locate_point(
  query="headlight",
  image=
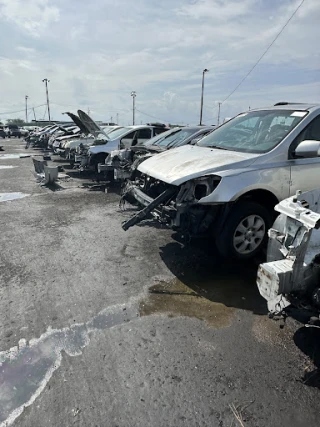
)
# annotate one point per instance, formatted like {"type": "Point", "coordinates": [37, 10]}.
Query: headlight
{"type": "Point", "coordinates": [205, 185]}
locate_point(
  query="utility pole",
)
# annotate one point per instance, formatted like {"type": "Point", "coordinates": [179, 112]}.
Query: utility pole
{"type": "Point", "coordinates": [26, 97]}
{"type": "Point", "coordinates": [117, 118]}
{"type": "Point", "coordinates": [111, 119]}
{"type": "Point", "coordinates": [133, 94]}
{"type": "Point", "coordinates": [219, 107]}
{"type": "Point", "coordinates": [88, 111]}
{"type": "Point", "coordinates": [35, 116]}
{"type": "Point", "coordinates": [201, 106]}
{"type": "Point", "coordinates": [48, 105]}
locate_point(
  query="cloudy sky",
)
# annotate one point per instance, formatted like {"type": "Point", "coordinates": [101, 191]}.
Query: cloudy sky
{"type": "Point", "coordinates": [96, 52]}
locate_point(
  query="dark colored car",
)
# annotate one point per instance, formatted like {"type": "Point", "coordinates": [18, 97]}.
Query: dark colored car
{"type": "Point", "coordinates": [14, 131]}
{"type": "Point", "coordinates": [3, 133]}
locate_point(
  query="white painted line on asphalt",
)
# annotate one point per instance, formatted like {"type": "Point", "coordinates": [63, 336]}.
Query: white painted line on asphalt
{"type": "Point", "coordinates": [7, 167]}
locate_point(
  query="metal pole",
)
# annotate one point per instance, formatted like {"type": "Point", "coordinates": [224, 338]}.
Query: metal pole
{"type": "Point", "coordinates": [133, 94]}
{"type": "Point", "coordinates": [117, 118]}
{"type": "Point", "coordinates": [26, 97]}
{"type": "Point", "coordinates": [201, 107]}
{"type": "Point", "coordinates": [35, 117]}
{"type": "Point", "coordinates": [219, 106]}
{"type": "Point", "coordinates": [48, 104]}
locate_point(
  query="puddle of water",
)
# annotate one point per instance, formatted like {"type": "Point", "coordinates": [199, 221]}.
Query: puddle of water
{"type": "Point", "coordinates": [7, 167]}
{"type": "Point", "coordinates": [211, 294]}
{"type": "Point", "coordinates": [25, 370]}
{"type": "Point", "coordinates": [5, 197]}
{"type": "Point", "coordinates": [175, 299]}
{"type": "Point", "coordinates": [14, 156]}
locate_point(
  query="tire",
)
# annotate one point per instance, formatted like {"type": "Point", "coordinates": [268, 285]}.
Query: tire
{"type": "Point", "coordinates": [245, 231]}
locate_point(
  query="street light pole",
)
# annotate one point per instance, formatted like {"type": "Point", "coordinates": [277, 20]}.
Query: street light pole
{"type": "Point", "coordinates": [48, 104]}
{"type": "Point", "coordinates": [219, 109]}
{"type": "Point", "coordinates": [201, 107]}
{"type": "Point", "coordinates": [26, 97]}
{"type": "Point", "coordinates": [133, 94]}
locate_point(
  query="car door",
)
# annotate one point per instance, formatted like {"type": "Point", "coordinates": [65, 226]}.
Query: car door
{"type": "Point", "coordinates": [305, 173]}
{"type": "Point", "coordinates": [129, 139]}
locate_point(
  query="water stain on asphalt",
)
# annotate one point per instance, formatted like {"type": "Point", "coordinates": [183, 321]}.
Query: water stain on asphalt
{"type": "Point", "coordinates": [6, 197]}
{"type": "Point", "coordinates": [212, 298]}
{"type": "Point", "coordinates": [176, 299]}
{"type": "Point", "coordinates": [26, 369]}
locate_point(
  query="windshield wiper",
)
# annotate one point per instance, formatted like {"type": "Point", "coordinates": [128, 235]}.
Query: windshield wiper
{"type": "Point", "coordinates": [217, 146]}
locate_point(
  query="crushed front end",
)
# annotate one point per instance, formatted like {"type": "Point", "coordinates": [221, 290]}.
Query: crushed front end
{"type": "Point", "coordinates": [176, 206]}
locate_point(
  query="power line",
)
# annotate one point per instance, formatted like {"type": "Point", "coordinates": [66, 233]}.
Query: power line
{"type": "Point", "coordinates": [20, 111]}
{"type": "Point", "coordinates": [265, 52]}
{"type": "Point", "coordinates": [153, 117]}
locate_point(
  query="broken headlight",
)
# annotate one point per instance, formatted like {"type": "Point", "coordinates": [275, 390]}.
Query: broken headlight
{"type": "Point", "coordinates": [197, 189]}
{"type": "Point", "coordinates": [205, 185]}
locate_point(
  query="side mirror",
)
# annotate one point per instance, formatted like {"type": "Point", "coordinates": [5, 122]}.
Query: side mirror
{"type": "Point", "coordinates": [308, 148]}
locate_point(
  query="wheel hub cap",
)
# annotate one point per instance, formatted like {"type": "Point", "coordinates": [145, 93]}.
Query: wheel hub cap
{"type": "Point", "coordinates": [249, 234]}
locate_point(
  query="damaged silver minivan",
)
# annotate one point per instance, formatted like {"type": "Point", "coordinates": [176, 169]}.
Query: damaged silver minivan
{"type": "Point", "coordinates": [227, 185]}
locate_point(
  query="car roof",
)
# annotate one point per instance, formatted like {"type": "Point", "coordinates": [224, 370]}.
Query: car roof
{"type": "Point", "coordinates": [290, 106]}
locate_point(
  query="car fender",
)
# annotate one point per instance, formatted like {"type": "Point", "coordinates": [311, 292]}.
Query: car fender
{"type": "Point", "coordinates": [233, 186]}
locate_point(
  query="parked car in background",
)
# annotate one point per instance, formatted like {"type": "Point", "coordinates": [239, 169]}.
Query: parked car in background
{"type": "Point", "coordinates": [14, 131]}
{"type": "Point", "coordinates": [24, 132]}
{"type": "Point", "coordinates": [227, 185]}
{"type": "Point", "coordinates": [120, 138]}
{"type": "Point", "coordinates": [3, 133]}
{"type": "Point", "coordinates": [122, 164]}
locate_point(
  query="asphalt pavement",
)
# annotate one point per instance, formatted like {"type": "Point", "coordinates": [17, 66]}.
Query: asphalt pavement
{"type": "Point", "coordinates": [102, 327]}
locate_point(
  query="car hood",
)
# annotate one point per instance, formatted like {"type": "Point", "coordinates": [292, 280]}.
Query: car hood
{"type": "Point", "coordinates": [78, 122]}
{"type": "Point", "coordinates": [184, 163]}
{"type": "Point", "coordinates": [91, 124]}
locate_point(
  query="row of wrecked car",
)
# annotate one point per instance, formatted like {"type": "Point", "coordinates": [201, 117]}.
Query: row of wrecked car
{"type": "Point", "coordinates": [221, 183]}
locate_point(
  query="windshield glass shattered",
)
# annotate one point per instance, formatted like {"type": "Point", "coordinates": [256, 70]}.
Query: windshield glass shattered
{"type": "Point", "coordinates": [254, 132]}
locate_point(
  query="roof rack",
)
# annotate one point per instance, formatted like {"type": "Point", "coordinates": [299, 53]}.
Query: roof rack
{"type": "Point", "coordinates": [288, 103]}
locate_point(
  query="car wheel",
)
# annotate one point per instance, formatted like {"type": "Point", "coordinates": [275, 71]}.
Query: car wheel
{"type": "Point", "coordinates": [245, 231]}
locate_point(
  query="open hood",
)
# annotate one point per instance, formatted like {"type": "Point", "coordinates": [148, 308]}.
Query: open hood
{"type": "Point", "coordinates": [184, 163]}
{"type": "Point", "coordinates": [91, 124]}
{"type": "Point", "coordinates": [78, 122]}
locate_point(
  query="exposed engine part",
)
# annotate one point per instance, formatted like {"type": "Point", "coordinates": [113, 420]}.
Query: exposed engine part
{"type": "Point", "coordinates": [292, 273]}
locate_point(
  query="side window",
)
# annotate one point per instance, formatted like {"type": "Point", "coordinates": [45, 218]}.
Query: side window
{"type": "Point", "coordinates": [129, 136]}
{"type": "Point", "coordinates": [144, 134]}
{"type": "Point", "coordinates": [311, 131]}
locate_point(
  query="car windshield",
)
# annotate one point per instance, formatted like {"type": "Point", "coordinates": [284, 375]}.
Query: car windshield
{"type": "Point", "coordinates": [155, 140]}
{"type": "Point", "coordinates": [118, 133]}
{"type": "Point", "coordinates": [254, 132]}
{"type": "Point", "coordinates": [177, 138]}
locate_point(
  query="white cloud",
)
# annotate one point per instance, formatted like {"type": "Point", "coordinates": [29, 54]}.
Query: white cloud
{"type": "Point", "coordinates": [33, 16]}
{"type": "Point", "coordinates": [158, 49]}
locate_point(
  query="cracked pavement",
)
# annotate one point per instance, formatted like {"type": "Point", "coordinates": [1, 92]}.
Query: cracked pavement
{"type": "Point", "coordinates": [101, 327]}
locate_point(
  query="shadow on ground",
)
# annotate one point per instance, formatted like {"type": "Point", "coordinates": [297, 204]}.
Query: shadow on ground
{"type": "Point", "coordinates": [204, 287]}
{"type": "Point", "coordinates": [308, 341]}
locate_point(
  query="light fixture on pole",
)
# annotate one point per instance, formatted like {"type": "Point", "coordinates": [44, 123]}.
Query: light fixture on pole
{"type": "Point", "coordinates": [133, 94]}
{"type": "Point", "coordinates": [47, 93]}
{"type": "Point", "coordinates": [201, 107]}
{"type": "Point", "coordinates": [26, 98]}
